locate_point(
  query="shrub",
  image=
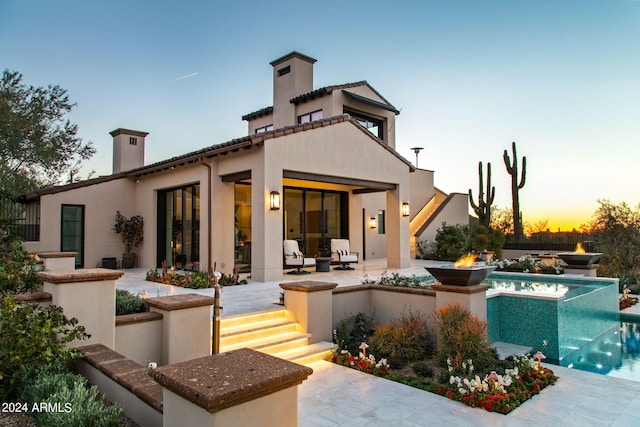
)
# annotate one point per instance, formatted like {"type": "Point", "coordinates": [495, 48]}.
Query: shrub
{"type": "Point", "coordinates": [423, 369]}
{"type": "Point", "coordinates": [403, 340]}
{"type": "Point", "coordinates": [33, 335]}
{"type": "Point", "coordinates": [462, 337]}
{"type": "Point", "coordinates": [17, 270]}
{"type": "Point", "coordinates": [450, 243]}
{"type": "Point", "coordinates": [79, 406]}
{"type": "Point", "coordinates": [127, 303]}
{"type": "Point", "coordinates": [351, 331]}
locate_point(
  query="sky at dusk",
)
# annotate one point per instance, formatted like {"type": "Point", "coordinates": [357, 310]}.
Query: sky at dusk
{"type": "Point", "coordinates": [559, 77]}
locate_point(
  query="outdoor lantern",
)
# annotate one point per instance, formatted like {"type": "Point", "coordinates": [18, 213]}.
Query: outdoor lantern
{"type": "Point", "coordinates": [275, 201]}
{"type": "Point", "coordinates": [405, 209]}
{"type": "Point", "coordinates": [372, 222]}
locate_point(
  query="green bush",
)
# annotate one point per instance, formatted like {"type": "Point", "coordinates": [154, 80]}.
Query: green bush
{"type": "Point", "coordinates": [422, 369]}
{"type": "Point", "coordinates": [199, 280]}
{"type": "Point", "coordinates": [453, 241]}
{"type": "Point", "coordinates": [127, 303]}
{"type": "Point", "coordinates": [17, 270]}
{"type": "Point", "coordinates": [78, 405]}
{"type": "Point", "coordinates": [352, 331]}
{"type": "Point", "coordinates": [33, 335]}
{"type": "Point", "coordinates": [462, 337]}
{"type": "Point", "coordinates": [450, 243]}
{"type": "Point", "coordinates": [403, 340]}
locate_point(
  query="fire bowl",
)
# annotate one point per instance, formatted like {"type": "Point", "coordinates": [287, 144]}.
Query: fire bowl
{"type": "Point", "coordinates": [460, 276]}
{"type": "Point", "coordinates": [580, 258]}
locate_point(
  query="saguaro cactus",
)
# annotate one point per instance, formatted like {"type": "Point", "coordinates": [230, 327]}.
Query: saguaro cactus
{"type": "Point", "coordinates": [483, 208]}
{"type": "Point", "coordinates": [512, 169]}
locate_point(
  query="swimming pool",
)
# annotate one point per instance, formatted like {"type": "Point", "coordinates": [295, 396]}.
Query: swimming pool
{"type": "Point", "coordinates": [564, 312]}
{"type": "Point", "coordinates": [577, 317]}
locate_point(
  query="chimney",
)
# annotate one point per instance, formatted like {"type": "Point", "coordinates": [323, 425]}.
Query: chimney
{"type": "Point", "coordinates": [292, 76]}
{"type": "Point", "coordinates": [128, 149]}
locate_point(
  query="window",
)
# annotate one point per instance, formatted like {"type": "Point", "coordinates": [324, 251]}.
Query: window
{"type": "Point", "coordinates": [72, 231]}
{"type": "Point", "coordinates": [310, 117]}
{"type": "Point", "coordinates": [133, 141]}
{"type": "Point", "coordinates": [372, 124]}
{"type": "Point", "coordinates": [284, 70]}
{"type": "Point", "coordinates": [381, 229]}
{"type": "Point", "coordinates": [266, 128]}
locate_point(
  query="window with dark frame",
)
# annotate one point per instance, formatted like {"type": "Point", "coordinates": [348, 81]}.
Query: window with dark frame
{"type": "Point", "coordinates": [266, 128]}
{"type": "Point", "coordinates": [372, 124]}
{"type": "Point", "coordinates": [133, 140]}
{"type": "Point", "coordinates": [310, 117]}
{"type": "Point", "coordinates": [381, 223]}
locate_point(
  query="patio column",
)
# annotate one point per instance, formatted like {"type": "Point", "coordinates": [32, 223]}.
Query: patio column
{"type": "Point", "coordinates": [266, 224]}
{"type": "Point", "coordinates": [398, 251]}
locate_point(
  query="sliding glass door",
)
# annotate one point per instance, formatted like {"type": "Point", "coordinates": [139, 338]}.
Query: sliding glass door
{"type": "Point", "coordinates": [314, 217]}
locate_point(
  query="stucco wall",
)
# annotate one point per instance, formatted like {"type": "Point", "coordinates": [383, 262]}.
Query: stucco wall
{"type": "Point", "coordinates": [454, 212]}
{"type": "Point", "coordinates": [422, 189]}
{"type": "Point", "coordinates": [101, 203]}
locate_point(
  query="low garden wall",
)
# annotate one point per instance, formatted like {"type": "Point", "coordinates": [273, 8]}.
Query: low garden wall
{"type": "Point", "coordinates": [386, 303]}
{"type": "Point", "coordinates": [139, 337]}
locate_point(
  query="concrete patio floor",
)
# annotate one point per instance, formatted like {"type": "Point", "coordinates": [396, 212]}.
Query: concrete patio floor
{"type": "Point", "coordinates": [335, 396]}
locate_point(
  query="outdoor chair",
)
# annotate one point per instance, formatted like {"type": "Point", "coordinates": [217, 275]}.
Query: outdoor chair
{"type": "Point", "coordinates": [341, 254]}
{"type": "Point", "coordinates": [294, 258]}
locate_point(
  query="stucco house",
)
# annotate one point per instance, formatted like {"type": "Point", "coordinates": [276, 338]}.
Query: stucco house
{"type": "Point", "coordinates": [317, 164]}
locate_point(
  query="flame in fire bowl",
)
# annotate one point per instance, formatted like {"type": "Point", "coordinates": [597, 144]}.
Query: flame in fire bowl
{"type": "Point", "coordinates": [460, 276]}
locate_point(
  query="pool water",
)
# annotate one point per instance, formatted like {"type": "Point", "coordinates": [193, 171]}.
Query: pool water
{"type": "Point", "coordinates": [615, 353]}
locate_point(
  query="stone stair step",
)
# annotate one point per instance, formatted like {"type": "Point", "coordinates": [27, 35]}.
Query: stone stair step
{"type": "Point", "coordinates": [312, 353]}
{"type": "Point", "coordinates": [256, 330]}
{"type": "Point", "coordinates": [273, 343]}
{"type": "Point", "coordinates": [258, 316]}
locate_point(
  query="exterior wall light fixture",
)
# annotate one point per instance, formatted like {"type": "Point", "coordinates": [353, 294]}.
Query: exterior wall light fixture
{"type": "Point", "coordinates": [405, 209]}
{"type": "Point", "coordinates": [274, 201]}
{"type": "Point", "coordinates": [372, 222]}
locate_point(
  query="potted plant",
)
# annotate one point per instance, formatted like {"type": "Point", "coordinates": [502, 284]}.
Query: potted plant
{"type": "Point", "coordinates": [131, 232]}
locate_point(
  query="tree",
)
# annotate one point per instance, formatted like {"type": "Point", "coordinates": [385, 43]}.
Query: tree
{"type": "Point", "coordinates": [502, 220]}
{"type": "Point", "coordinates": [615, 230]}
{"type": "Point", "coordinates": [512, 169]}
{"type": "Point", "coordinates": [38, 146]}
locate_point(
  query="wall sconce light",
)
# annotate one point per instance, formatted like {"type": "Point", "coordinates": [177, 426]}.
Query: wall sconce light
{"type": "Point", "coordinates": [405, 209]}
{"type": "Point", "coordinates": [274, 201]}
{"type": "Point", "coordinates": [372, 222]}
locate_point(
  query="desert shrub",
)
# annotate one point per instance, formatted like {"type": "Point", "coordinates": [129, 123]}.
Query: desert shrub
{"type": "Point", "coordinates": [462, 337]}
{"type": "Point", "coordinates": [78, 405]}
{"type": "Point", "coordinates": [352, 331]}
{"type": "Point", "coordinates": [127, 303]}
{"type": "Point", "coordinates": [403, 340]}
{"type": "Point", "coordinates": [199, 280]}
{"type": "Point", "coordinates": [422, 369]}
{"type": "Point", "coordinates": [33, 335]}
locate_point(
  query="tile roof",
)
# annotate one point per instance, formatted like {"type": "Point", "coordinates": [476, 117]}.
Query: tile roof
{"type": "Point", "coordinates": [234, 145]}
{"type": "Point", "coordinates": [318, 93]}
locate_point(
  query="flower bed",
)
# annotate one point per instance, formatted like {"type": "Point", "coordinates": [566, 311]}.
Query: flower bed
{"type": "Point", "coordinates": [367, 365]}
{"type": "Point", "coordinates": [493, 393]}
{"type": "Point", "coordinates": [527, 264]}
